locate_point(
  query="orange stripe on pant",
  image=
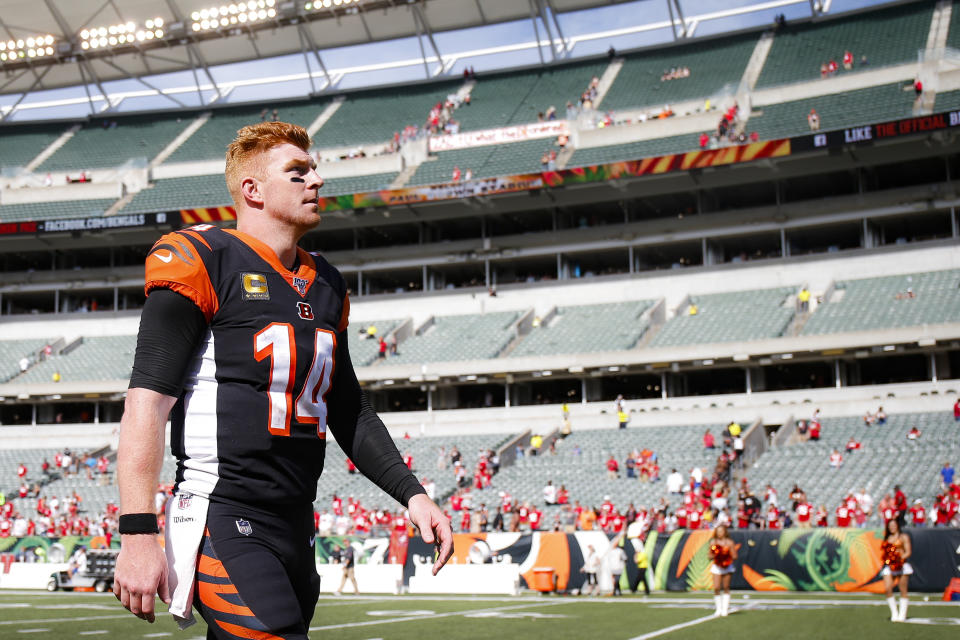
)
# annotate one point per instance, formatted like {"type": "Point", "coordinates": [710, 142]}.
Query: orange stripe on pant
{"type": "Point", "coordinates": [243, 632]}
{"type": "Point", "coordinates": [209, 592]}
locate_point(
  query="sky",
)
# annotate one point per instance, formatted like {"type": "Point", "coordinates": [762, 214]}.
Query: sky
{"type": "Point", "coordinates": [589, 32]}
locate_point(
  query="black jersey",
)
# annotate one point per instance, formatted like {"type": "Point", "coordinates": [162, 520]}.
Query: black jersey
{"type": "Point", "coordinates": [250, 424]}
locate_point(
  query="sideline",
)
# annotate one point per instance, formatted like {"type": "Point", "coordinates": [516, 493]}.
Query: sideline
{"type": "Point", "coordinates": [434, 616]}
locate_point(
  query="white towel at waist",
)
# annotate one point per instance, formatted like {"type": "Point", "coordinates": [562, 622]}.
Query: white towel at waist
{"type": "Point", "coordinates": [186, 522]}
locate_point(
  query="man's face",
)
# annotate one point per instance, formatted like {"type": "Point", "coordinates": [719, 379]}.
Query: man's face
{"type": "Point", "coordinates": [289, 186]}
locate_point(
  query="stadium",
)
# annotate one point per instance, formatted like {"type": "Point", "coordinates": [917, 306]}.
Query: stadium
{"type": "Point", "coordinates": [619, 272]}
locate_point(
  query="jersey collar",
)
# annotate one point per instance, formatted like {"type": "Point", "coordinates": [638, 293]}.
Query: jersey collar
{"type": "Point", "coordinates": [306, 271]}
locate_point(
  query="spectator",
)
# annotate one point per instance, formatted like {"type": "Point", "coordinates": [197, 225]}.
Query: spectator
{"type": "Point", "coordinates": [836, 459]}
{"type": "Point", "coordinates": [813, 119]}
{"type": "Point", "coordinates": [823, 70]}
{"type": "Point", "coordinates": [832, 67]}
{"type": "Point", "coordinates": [880, 416]}
{"type": "Point", "coordinates": [704, 140]}
{"type": "Point", "coordinates": [382, 349]}
{"type": "Point", "coordinates": [24, 363]}
{"type": "Point", "coordinates": [863, 60]}
{"type": "Point", "coordinates": [456, 175]}
{"type": "Point", "coordinates": [918, 87]}
{"type": "Point", "coordinates": [675, 482]}
{"type": "Point", "coordinates": [914, 433]}
{"type": "Point", "coordinates": [708, 440]}
{"type": "Point", "coordinates": [946, 475]}
{"type": "Point", "coordinates": [814, 430]}
{"type": "Point", "coordinates": [956, 410]}
{"type": "Point", "coordinates": [613, 468]}
{"type": "Point", "coordinates": [847, 60]}
{"type": "Point", "coordinates": [852, 444]}
{"type": "Point", "coordinates": [918, 514]}
{"type": "Point", "coordinates": [622, 419]}
{"type": "Point", "coordinates": [804, 299]}
{"type": "Point", "coordinates": [549, 494]}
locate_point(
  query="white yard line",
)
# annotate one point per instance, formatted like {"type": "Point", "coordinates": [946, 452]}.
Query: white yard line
{"type": "Point", "coordinates": [81, 619]}
{"type": "Point", "coordinates": [672, 628]}
{"type": "Point", "coordinates": [434, 616]}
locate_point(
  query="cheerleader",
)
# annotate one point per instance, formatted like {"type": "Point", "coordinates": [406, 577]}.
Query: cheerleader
{"type": "Point", "coordinates": [896, 549]}
{"type": "Point", "coordinates": [722, 554]}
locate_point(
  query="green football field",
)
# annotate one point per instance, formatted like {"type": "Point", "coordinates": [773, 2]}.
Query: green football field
{"type": "Point", "coordinates": [25, 614]}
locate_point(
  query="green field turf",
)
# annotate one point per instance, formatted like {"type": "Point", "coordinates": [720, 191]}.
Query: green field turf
{"type": "Point", "coordinates": [27, 614]}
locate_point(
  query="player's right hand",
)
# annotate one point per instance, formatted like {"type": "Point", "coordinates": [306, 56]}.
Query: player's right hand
{"type": "Point", "coordinates": [140, 575]}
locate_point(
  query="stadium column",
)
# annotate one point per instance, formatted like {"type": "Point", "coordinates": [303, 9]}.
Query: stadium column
{"type": "Point", "coordinates": [747, 380]}
{"type": "Point", "coordinates": [836, 373]}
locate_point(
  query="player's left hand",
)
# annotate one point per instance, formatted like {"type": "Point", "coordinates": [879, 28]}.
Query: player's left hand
{"type": "Point", "coordinates": [434, 527]}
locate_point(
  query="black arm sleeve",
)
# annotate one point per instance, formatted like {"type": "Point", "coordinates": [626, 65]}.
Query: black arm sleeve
{"type": "Point", "coordinates": [362, 435]}
{"type": "Point", "coordinates": [171, 327]}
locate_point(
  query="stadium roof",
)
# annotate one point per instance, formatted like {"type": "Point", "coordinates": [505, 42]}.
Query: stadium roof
{"type": "Point", "coordinates": [141, 48]}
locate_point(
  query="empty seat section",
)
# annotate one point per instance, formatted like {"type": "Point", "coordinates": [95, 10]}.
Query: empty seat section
{"type": "Point", "coordinates": [181, 193]}
{"type": "Point", "coordinates": [836, 111]}
{"type": "Point", "coordinates": [54, 210]}
{"type": "Point", "coordinates": [715, 65]}
{"type": "Point", "coordinates": [484, 162]}
{"type": "Point", "coordinates": [12, 351]}
{"type": "Point", "coordinates": [363, 351]}
{"type": "Point", "coordinates": [96, 358]}
{"type": "Point", "coordinates": [886, 36]}
{"type": "Point", "coordinates": [582, 329]}
{"type": "Point", "coordinates": [112, 142]}
{"type": "Point", "coordinates": [729, 317]}
{"type": "Point", "coordinates": [21, 144]}
{"type": "Point", "coordinates": [210, 140]}
{"type": "Point", "coordinates": [355, 184]}
{"type": "Point", "coordinates": [634, 150]}
{"type": "Point", "coordinates": [467, 337]}
{"type": "Point", "coordinates": [506, 99]}
{"type": "Point", "coordinates": [374, 116]}
{"type": "Point", "coordinates": [947, 100]}
{"type": "Point", "coordinates": [886, 303]}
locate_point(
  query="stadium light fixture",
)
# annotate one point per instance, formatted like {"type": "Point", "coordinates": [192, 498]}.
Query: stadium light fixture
{"type": "Point", "coordinates": [233, 15]}
{"type": "Point", "coordinates": [39, 46]}
{"type": "Point", "coordinates": [121, 34]}
{"type": "Point", "coordinates": [319, 5]}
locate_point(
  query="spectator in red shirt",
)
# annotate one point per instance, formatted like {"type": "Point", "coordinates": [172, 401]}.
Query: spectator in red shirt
{"type": "Point", "coordinates": [821, 516]}
{"type": "Point", "coordinates": [814, 430]}
{"type": "Point", "coordinates": [852, 444]}
{"type": "Point", "coordinates": [535, 517]}
{"type": "Point", "coordinates": [613, 468]}
{"type": "Point", "coordinates": [704, 140]}
{"type": "Point", "coordinates": [804, 512]}
{"type": "Point", "coordinates": [21, 470]}
{"type": "Point", "coordinates": [844, 515]}
{"type": "Point", "coordinates": [847, 60]}
{"type": "Point", "coordinates": [832, 67]}
{"type": "Point", "coordinates": [918, 514]}
{"type": "Point", "coordinates": [956, 410]}
{"type": "Point", "coordinates": [708, 440]}
{"type": "Point", "coordinates": [773, 518]}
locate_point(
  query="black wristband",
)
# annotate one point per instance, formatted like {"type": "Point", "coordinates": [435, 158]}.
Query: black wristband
{"type": "Point", "coordinates": [139, 523]}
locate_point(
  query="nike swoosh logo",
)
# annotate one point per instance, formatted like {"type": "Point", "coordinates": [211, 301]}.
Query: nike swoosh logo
{"type": "Point", "coordinates": [166, 258]}
{"type": "Point", "coordinates": [312, 538]}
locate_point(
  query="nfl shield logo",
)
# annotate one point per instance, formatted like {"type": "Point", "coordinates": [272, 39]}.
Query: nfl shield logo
{"type": "Point", "coordinates": [243, 526]}
{"type": "Point", "coordinates": [183, 501]}
{"type": "Point", "coordinates": [300, 284]}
